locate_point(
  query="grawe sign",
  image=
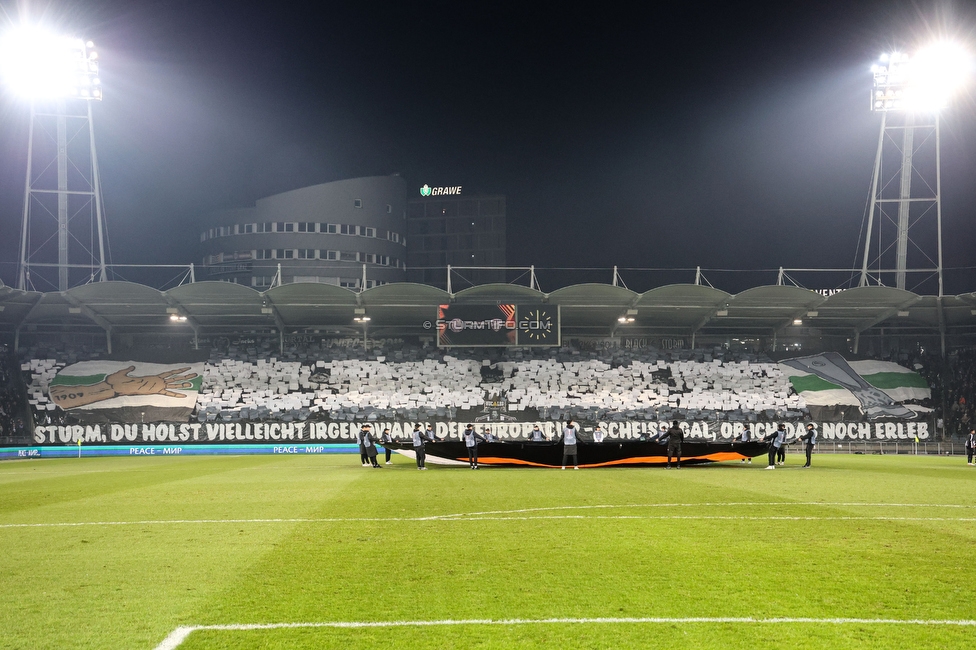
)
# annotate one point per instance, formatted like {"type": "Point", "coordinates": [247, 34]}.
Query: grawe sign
{"type": "Point", "coordinates": [427, 190]}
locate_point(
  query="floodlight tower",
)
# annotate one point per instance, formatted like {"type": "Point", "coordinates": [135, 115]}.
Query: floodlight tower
{"type": "Point", "coordinates": [62, 192]}
{"type": "Point", "coordinates": [910, 92]}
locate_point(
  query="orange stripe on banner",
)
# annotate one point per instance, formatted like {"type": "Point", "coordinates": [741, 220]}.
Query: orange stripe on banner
{"type": "Point", "coordinates": [717, 457]}
{"type": "Point", "coordinates": [482, 460]}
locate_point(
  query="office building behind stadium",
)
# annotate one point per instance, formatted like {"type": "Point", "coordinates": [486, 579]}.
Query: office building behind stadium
{"type": "Point", "coordinates": [445, 228]}
{"type": "Point", "coordinates": [350, 233]}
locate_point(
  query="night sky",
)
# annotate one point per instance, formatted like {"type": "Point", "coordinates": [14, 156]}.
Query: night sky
{"type": "Point", "coordinates": [731, 136]}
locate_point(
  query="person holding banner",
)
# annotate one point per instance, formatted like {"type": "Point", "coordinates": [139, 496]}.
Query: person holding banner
{"type": "Point", "coordinates": [363, 457]}
{"type": "Point", "coordinates": [387, 438]}
{"type": "Point", "coordinates": [776, 440]}
{"type": "Point", "coordinates": [418, 446]}
{"type": "Point", "coordinates": [536, 435]}
{"type": "Point", "coordinates": [746, 436]}
{"type": "Point", "coordinates": [970, 446]}
{"type": "Point", "coordinates": [471, 439]}
{"type": "Point", "coordinates": [370, 445]}
{"type": "Point", "coordinates": [781, 452]}
{"type": "Point", "coordinates": [810, 438]}
{"type": "Point", "coordinates": [674, 436]}
{"type": "Point", "coordinates": [598, 434]}
{"type": "Point", "coordinates": [569, 444]}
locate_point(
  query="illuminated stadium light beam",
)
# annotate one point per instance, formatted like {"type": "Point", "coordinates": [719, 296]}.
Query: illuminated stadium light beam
{"type": "Point", "coordinates": [37, 64]}
{"type": "Point", "coordinates": [913, 89]}
{"type": "Point", "coordinates": [924, 82]}
{"type": "Point", "coordinates": [57, 72]}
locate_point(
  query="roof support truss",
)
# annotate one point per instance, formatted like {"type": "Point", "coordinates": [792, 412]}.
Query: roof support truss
{"type": "Point", "coordinates": [95, 318]}
{"type": "Point", "coordinates": [192, 322]}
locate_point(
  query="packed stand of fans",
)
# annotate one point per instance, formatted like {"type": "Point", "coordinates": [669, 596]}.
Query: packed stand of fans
{"type": "Point", "coordinates": [953, 384]}
{"type": "Point", "coordinates": [345, 389]}
{"type": "Point", "coordinates": [397, 380]}
{"type": "Point", "coordinates": [258, 381]}
{"type": "Point", "coordinates": [255, 381]}
{"type": "Point", "coordinates": [957, 393]}
{"type": "Point", "coordinates": [13, 428]}
{"type": "Point", "coordinates": [39, 366]}
{"type": "Point", "coordinates": [658, 389]}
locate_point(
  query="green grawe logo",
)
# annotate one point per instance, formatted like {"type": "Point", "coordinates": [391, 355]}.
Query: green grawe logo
{"type": "Point", "coordinates": [427, 190]}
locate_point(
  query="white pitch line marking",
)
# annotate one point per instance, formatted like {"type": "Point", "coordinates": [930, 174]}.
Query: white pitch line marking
{"type": "Point", "coordinates": [703, 505]}
{"type": "Point", "coordinates": [489, 518]}
{"type": "Point", "coordinates": [175, 638]}
{"type": "Point", "coordinates": [180, 634]}
{"type": "Point", "coordinates": [521, 514]}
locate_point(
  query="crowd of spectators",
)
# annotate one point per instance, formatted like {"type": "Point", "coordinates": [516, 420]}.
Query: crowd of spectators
{"type": "Point", "coordinates": [12, 425]}
{"type": "Point", "coordinates": [255, 379]}
{"type": "Point", "coordinates": [953, 384]}
{"type": "Point", "coordinates": [955, 392]}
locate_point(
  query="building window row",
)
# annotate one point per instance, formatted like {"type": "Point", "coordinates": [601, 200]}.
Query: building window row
{"type": "Point", "coordinates": [304, 254]}
{"type": "Point", "coordinates": [264, 281]}
{"type": "Point", "coordinates": [304, 227]}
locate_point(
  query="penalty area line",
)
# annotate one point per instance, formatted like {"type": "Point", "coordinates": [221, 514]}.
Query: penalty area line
{"type": "Point", "coordinates": [180, 634]}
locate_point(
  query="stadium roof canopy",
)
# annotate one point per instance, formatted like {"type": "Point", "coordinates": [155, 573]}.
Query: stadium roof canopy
{"type": "Point", "coordinates": [404, 309]}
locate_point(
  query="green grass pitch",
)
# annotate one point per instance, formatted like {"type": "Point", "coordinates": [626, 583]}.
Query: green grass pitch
{"type": "Point", "coordinates": [198, 541]}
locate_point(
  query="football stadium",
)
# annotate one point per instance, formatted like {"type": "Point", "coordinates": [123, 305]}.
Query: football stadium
{"type": "Point", "coordinates": [212, 495]}
{"type": "Point", "coordinates": [190, 463]}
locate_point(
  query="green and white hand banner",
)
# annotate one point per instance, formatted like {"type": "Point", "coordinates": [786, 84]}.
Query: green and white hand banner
{"type": "Point", "coordinates": [878, 388]}
{"type": "Point", "coordinates": [102, 391]}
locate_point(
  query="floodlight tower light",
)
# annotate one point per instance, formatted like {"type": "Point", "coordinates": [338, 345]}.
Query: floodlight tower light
{"type": "Point", "coordinates": [909, 92]}
{"type": "Point", "coordinates": [58, 75]}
